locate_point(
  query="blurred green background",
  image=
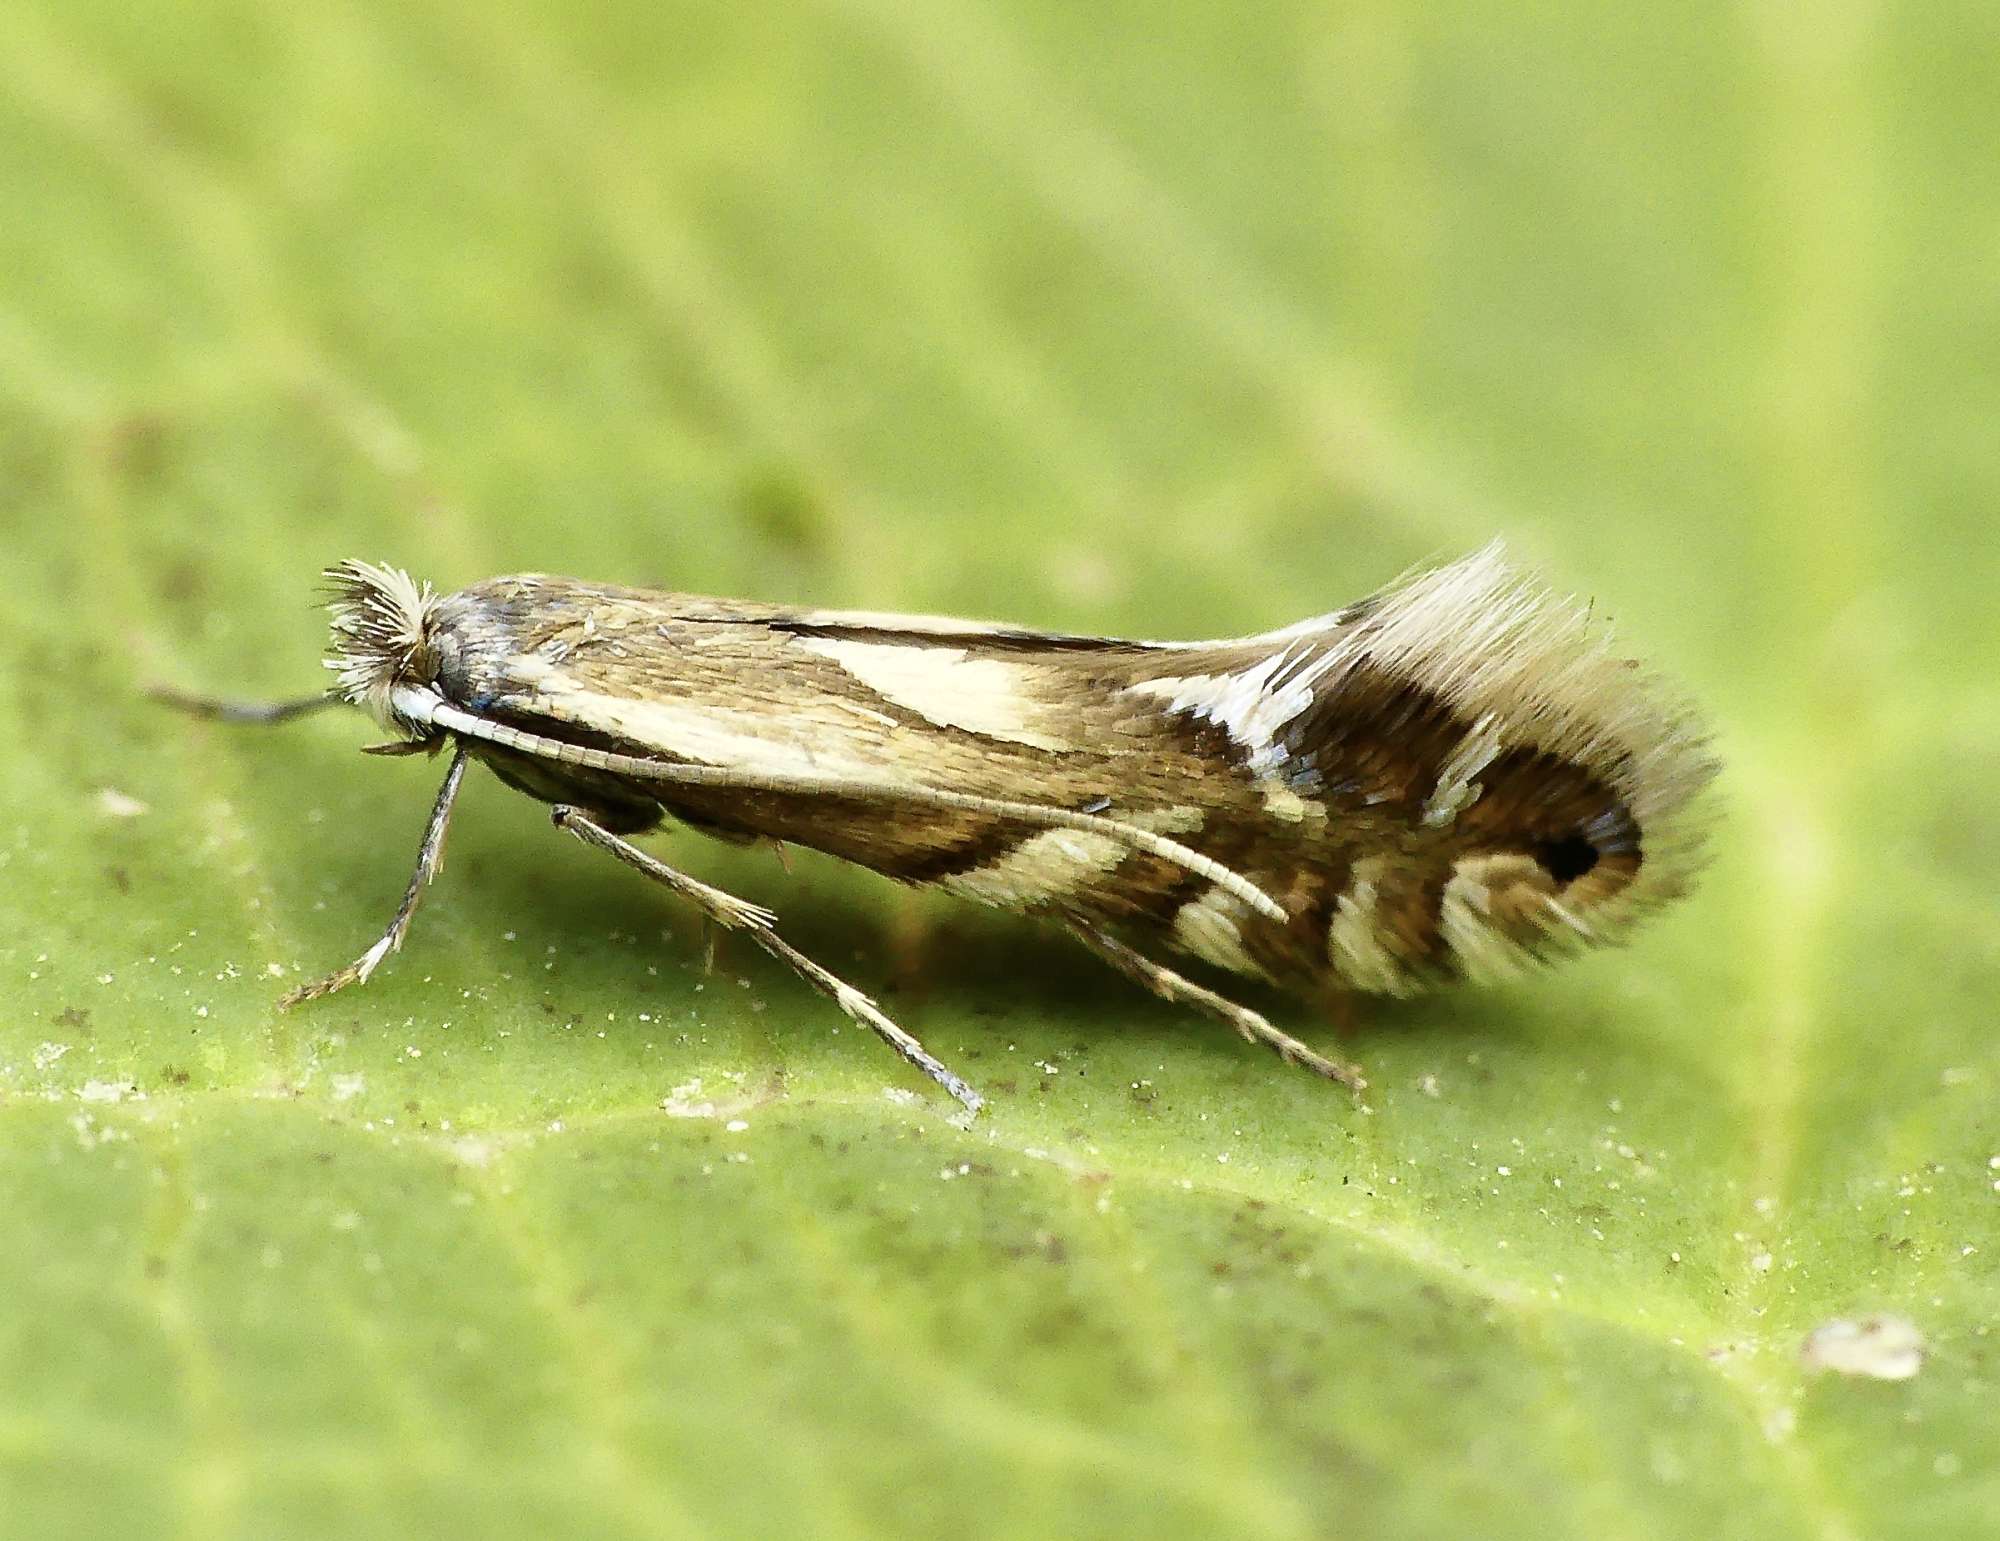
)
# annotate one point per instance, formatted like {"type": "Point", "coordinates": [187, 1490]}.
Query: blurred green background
{"type": "Point", "coordinates": [1172, 320]}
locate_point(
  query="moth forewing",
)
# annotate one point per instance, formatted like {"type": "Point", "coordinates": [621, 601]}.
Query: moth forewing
{"type": "Point", "coordinates": [426, 709]}
{"type": "Point", "coordinates": [1446, 780]}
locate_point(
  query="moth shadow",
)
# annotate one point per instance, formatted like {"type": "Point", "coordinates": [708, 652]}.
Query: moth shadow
{"type": "Point", "coordinates": [927, 959]}
{"type": "Point", "coordinates": [925, 951]}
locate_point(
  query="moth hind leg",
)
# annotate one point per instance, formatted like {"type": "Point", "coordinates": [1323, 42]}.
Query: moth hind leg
{"type": "Point", "coordinates": [757, 922]}
{"type": "Point", "coordinates": [1253, 1026]}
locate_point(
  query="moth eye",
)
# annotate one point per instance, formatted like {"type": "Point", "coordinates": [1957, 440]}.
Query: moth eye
{"type": "Point", "coordinates": [1567, 857]}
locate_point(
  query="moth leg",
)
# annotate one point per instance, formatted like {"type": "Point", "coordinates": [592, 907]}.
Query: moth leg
{"type": "Point", "coordinates": [753, 919]}
{"type": "Point", "coordinates": [430, 856]}
{"type": "Point", "coordinates": [1254, 1027]}
{"type": "Point", "coordinates": [224, 709]}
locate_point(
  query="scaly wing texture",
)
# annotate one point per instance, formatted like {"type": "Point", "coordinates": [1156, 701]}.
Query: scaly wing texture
{"type": "Point", "coordinates": [1448, 778]}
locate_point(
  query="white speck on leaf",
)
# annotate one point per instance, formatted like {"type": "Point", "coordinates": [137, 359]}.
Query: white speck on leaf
{"type": "Point", "coordinates": [90, 1133]}
{"type": "Point", "coordinates": [115, 804]}
{"type": "Point", "coordinates": [474, 1150]}
{"type": "Point", "coordinates": [1880, 1347]}
{"type": "Point", "coordinates": [686, 1101]}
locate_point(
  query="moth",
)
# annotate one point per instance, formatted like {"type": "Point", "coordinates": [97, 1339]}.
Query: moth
{"type": "Point", "coordinates": [1447, 780]}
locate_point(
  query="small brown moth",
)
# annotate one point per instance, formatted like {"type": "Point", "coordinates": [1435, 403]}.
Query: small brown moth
{"type": "Point", "coordinates": [1446, 780]}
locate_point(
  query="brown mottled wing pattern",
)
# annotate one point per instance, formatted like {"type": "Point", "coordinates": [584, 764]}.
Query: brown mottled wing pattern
{"type": "Point", "coordinates": [1399, 776]}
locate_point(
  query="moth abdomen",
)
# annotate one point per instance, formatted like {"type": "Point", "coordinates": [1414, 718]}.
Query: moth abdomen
{"type": "Point", "coordinates": [610, 798]}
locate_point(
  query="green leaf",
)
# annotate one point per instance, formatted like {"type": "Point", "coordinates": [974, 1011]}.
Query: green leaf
{"type": "Point", "coordinates": [1161, 319]}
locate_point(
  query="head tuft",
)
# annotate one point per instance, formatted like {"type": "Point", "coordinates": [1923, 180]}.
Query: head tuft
{"type": "Point", "coordinates": [381, 633]}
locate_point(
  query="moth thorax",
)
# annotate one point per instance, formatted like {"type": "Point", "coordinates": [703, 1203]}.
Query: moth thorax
{"type": "Point", "coordinates": [381, 619]}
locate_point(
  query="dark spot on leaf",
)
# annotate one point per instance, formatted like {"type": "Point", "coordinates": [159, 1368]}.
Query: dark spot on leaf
{"type": "Point", "coordinates": [139, 446]}
{"type": "Point", "coordinates": [31, 457]}
{"type": "Point", "coordinates": [783, 509]}
{"type": "Point", "coordinates": [183, 582]}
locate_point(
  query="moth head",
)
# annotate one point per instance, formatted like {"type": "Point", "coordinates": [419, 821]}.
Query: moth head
{"type": "Point", "coordinates": [382, 620]}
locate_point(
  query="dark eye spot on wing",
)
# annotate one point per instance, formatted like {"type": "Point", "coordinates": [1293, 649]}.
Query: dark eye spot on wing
{"type": "Point", "coordinates": [1611, 835]}
{"type": "Point", "coordinates": [1566, 859]}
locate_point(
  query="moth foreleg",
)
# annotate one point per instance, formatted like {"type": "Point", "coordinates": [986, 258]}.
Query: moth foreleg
{"type": "Point", "coordinates": [430, 856]}
{"type": "Point", "coordinates": [753, 919]}
{"type": "Point", "coordinates": [1254, 1027]}
{"type": "Point", "coordinates": [226, 709]}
